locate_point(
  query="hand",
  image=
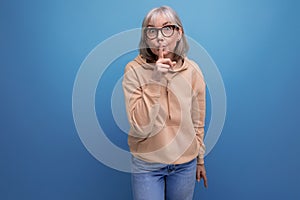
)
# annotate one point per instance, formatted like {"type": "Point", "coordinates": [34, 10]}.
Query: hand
{"type": "Point", "coordinates": [162, 66]}
{"type": "Point", "coordinates": [201, 173]}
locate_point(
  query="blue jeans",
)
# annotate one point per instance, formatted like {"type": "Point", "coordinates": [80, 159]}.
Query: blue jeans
{"type": "Point", "coordinates": [155, 181]}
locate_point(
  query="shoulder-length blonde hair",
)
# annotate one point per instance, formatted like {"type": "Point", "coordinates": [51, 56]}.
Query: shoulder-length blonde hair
{"type": "Point", "coordinates": [181, 46]}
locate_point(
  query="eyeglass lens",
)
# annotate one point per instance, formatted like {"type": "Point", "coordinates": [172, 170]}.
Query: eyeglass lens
{"type": "Point", "coordinates": [166, 31]}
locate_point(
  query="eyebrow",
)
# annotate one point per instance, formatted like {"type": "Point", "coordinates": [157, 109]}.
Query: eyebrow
{"type": "Point", "coordinates": [162, 25]}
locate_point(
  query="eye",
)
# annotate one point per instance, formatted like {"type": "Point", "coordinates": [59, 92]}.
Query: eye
{"type": "Point", "coordinates": [167, 28]}
{"type": "Point", "coordinates": [151, 30]}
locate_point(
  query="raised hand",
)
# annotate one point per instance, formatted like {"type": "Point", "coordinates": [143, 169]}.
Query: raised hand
{"type": "Point", "coordinates": [162, 65]}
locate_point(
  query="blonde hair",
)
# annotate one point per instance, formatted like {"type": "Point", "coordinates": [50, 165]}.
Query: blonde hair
{"type": "Point", "coordinates": [181, 46]}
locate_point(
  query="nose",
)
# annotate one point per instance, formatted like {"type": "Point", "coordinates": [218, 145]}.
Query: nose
{"type": "Point", "coordinates": [160, 37]}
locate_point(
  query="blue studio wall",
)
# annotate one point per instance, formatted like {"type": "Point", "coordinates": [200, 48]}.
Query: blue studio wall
{"type": "Point", "coordinates": [255, 45]}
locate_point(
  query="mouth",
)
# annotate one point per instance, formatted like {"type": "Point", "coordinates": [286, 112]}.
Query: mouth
{"type": "Point", "coordinates": [163, 47]}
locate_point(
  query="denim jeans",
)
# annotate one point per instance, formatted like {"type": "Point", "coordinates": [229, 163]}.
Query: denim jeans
{"type": "Point", "coordinates": [155, 181]}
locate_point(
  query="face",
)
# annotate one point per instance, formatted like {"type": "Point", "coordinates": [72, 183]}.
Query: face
{"type": "Point", "coordinates": [167, 44]}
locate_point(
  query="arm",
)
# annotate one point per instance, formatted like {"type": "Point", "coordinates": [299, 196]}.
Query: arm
{"type": "Point", "coordinates": [142, 102]}
{"type": "Point", "coordinates": [198, 111]}
{"type": "Point", "coordinates": [198, 116]}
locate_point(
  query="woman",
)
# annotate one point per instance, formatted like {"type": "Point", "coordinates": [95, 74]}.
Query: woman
{"type": "Point", "coordinates": [165, 102]}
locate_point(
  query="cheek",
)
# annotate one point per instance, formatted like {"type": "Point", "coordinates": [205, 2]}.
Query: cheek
{"type": "Point", "coordinates": [153, 46]}
{"type": "Point", "coordinates": [172, 44]}
{"type": "Point", "coordinates": [151, 43]}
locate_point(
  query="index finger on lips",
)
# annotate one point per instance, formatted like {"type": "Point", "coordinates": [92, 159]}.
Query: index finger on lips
{"type": "Point", "coordinates": [160, 53]}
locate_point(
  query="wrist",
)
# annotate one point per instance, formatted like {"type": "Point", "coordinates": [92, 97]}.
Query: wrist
{"type": "Point", "coordinates": [200, 160]}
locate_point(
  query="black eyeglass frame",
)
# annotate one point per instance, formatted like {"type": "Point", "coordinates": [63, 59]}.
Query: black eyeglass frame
{"type": "Point", "coordinates": [173, 27]}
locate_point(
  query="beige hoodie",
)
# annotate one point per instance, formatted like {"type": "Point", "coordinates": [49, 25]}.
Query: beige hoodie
{"type": "Point", "coordinates": [167, 117]}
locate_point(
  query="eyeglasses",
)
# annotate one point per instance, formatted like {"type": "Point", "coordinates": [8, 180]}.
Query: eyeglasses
{"type": "Point", "coordinates": [166, 31]}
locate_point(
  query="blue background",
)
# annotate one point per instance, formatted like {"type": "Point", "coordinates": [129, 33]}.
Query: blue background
{"type": "Point", "coordinates": [255, 45]}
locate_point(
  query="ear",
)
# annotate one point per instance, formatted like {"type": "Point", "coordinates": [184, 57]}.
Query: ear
{"type": "Point", "coordinates": [179, 34]}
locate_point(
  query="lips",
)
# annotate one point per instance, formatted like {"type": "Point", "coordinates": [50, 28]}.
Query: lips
{"type": "Point", "coordinates": [161, 47]}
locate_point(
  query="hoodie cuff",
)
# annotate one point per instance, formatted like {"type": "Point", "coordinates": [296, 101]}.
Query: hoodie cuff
{"type": "Point", "coordinates": [200, 160]}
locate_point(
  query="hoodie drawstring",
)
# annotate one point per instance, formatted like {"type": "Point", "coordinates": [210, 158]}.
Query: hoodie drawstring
{"type": "Point", "coordinates": [168, 99]}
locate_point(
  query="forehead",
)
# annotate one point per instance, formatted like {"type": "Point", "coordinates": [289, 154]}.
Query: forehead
{"type": "Point", "coordinates": [160, 19]}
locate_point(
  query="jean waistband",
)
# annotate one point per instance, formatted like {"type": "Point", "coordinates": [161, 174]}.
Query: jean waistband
{"type": "Point", "coordinates": [141, 166]}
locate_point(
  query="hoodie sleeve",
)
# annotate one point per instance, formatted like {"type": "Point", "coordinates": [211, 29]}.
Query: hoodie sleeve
{"type": "Point", "coordinates": [142, 103]}
{"type": "Point", "coordinates": [198, 111]}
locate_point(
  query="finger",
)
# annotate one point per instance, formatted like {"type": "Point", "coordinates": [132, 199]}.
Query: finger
{"type": "Point", "coordinates": [160, 53]}
{"type": "Point", "coordinates": [198, 175]}
{"type": "Point", "coordinates": [164, 68]}
{"type": "Point", "coordinates": [163, 65]}
{"type": "Point", "coordinates": [167, 61]}
{"type": "Point", "coordinates": [205, 180]}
